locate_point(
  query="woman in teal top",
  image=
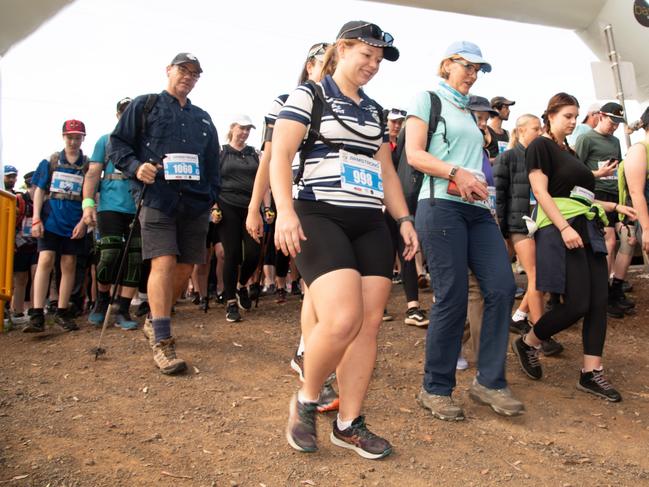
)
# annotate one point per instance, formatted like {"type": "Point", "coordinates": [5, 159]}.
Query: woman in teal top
{"type": "Point", "coordinates": [457, 233]}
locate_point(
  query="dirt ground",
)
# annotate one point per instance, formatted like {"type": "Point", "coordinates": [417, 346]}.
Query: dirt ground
{"type": "Point", "coordinates": [68, 420]}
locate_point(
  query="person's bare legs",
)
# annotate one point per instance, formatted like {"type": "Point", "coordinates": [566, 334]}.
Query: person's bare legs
{"type": "Point", "coordinates": [46, 260]}
{"type": "Point", "coordinates": [18, 298]}
{"type": "Point", "coordinates": [526, 252]}
{"type": "Point", "coordinates": [160, 287]}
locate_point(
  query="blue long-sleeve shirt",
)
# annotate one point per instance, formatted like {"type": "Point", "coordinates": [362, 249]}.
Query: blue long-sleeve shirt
{"type": "Point", "coordinates": [170, 128]}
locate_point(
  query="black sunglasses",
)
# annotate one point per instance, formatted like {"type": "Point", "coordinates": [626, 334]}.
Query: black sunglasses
{"type": "Point", "coordinates": [318, 50]}
{"type": "Point", "coordinates": [374, 32]}
{"type": "Point", "coordinates": [398, 111]}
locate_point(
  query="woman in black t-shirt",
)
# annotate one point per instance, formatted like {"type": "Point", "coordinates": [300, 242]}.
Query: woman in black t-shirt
{"type": "Point", "coordinates": [570, 252]}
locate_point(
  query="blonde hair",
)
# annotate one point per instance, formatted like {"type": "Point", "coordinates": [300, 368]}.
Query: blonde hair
{"type": "Point", "coordinates": [520, 123]}
{"type": "Point", "coordinates": [441, 72]}
{"type": "Point", "coordinates": [228, 136]}
{"type": "Point", "coordinates": [330, 61]}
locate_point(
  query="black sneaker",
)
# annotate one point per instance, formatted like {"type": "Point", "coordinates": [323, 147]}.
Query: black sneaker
{"type": "Point", "coordinates": [387, 316]}
{"type": "Point", "coordinates": [519, 327]}
{"type": "Point", "coordinates": [416, 317]}
{"type": "Point", "coordinates": [220, 299]}
{"type": "Point", "coordinates": [627, 287]}
{"type": "Point", "coordinates": [297, 364]}
{"type": "Point", "coordinates": [551, 347]}
{"type": "Point", "coordinates": [528, 358]}
{"type": "Point", "coordinates": [243, 299]}
{"type": "Point", "coordinates": [281, 295]}
{"type": "Point", "coordinates": [595, 383]}
{"type": "Point", "coordinates": [204, 304]}
{"type": "Point", "coordinates": [143, 309]}
{"type": "Point", "coordinates": [613, 311]}
{"type": "Point", "coordinates": [36, 322]}
{"type": "Point", "coordinates": [295, 289]}
{"type": "Point", "coordinates": [51, 307]}
{"type": "Point", "coordinates": [232, 314]}
{"type": "Point", "coordinates": [301, 431]}
{"type": "Point", "coordinates": [255, 291]}
{"type": "Point", "coordinates": [64, 319]}
{"type": "Point", "coordinates": [196, 297]}
{"type": "Point", "coordinates": [360, 439]}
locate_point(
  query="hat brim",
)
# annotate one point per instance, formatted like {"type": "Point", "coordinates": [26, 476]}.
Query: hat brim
{"type": "Point", "coordinates": [615, 118]}
{"type": "Point", "coordinates": [396, 116]}
{"type": "Point", "coordinates": [390, 52]}
{"type": "Point", "coordinates": [482, 108]}
{"type": "Point", "coordinates": [485, 67]}
{"type": "Point", "coordinates": [74, 132]}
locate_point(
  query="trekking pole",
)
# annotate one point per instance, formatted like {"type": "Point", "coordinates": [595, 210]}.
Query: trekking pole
{"type": "Point", "coordinates": [98, 350]}
{"type": "Point", "coordinates": [260, 265]}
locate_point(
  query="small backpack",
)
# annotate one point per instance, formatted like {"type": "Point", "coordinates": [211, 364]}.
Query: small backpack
{"type": "Point", "coordinates": [623, 191]}
{"type": "Point", "coordinates": [412, 179]}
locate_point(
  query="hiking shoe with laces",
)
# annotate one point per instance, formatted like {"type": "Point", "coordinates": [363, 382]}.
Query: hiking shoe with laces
{"type": "Point", "coordinates": [143, 309]}
{"type": "Point", "coordinates": [361, 440]}
{"type": "Point", "coordinates": [500, 400]}
{"type": "Point", "coordinates": [125, 322]}
{"type": "Point", "coordinates": [36, 323]}
{"type": "Point", "coordinates": [147, 329]}
{"type": "Point", "coordinates": [243, 299]}
{"type": "Point", "coordinates": [281, 295]}
{"type": "Point", "coordinates": [297, 364]}
{"type": "Point", "coordinates": [595, 383]}
{"type": "Point", "coordinates": [528, 358]}
{"type": "Point", "coordinates": [232, 314]}
{"type": "Point", "coordinates": [416, 317]}
{"type": "Point", "coordinates": [441, 407]}
{"type": "Point", "coordinates": [164, 356]}
{"type": "Point", "coordinates": [328, 400]}
{"type": "Point", "coordinates": [301, 431]}
{"type": "Point", "coordinates": [551, 347]}
{"type": "Point", "coordinates": [64, 320]}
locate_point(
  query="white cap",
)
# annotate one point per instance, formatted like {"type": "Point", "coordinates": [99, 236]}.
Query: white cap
{"type": "Point", "coordinates": [243, 121]}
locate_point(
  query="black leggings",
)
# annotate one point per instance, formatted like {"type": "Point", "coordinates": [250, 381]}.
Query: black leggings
{"type": "Point", "coordinates": [232, 232]}
{"type": "Point", "coordinates": [586, 296]}
{"type": "Point", "coordinates": [408, 267]}
{"type": "Point", "coordinates": [275, 257]}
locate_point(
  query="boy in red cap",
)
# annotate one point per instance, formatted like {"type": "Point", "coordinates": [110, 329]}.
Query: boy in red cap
{"type": "Point", "coordinates": [58, 224]}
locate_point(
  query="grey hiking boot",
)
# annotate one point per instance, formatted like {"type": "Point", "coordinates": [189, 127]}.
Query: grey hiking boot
{"type": "Point", "coordinates": [500, 400]}
{"type": "Point", "coordinates": [442, 407]}
{"type": "Point", "coordinates": [147, 329]}
{"type": "Point", "coordinates": [164, 356]}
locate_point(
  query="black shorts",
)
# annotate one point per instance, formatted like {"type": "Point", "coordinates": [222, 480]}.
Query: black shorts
{"type": "Point", "coordinates": [23, 261]}
{"type": "Point", "coordinates": [114, 223]}
{"type": "Point", "coordinates": [62, 245]}
{"type": "Point", "coordinates": [212, 235]}
{"type": "Point", "coordinates": [340, 237]}
{"type": "Point", "coordinates": [609, 197]}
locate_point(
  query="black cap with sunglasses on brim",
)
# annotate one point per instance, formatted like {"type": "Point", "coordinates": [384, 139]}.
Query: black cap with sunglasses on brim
{"type": "Point", "coordinates": [370, 34]}
{"type": "Point", "coordinates": [480, 104]}
{"type": "Point", "coordinates": [614, 111]}
{"type": "Point", "coordinates": [395, 114]}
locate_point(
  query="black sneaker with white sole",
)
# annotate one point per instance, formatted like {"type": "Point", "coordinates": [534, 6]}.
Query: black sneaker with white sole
{"type": "Point", "coordinates": [416, 317]}
{"type": "Point", "coordinates": [519, 327]}
{"type": "Point", "coordinates": [232, 314]}
{"type": "Point", "coordinates": [528, 358]}
{"type": "Point", "coordinates": [595, 383]}
{"type": "Point", "coordinates": [360, 439]}
{"type": "Point", "coordinates": [551, 347]}
{"type": "Point", "coordinates": [301, 430]}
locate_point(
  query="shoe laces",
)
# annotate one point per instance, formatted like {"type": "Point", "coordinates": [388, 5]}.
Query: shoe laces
{"type": "Point", "coordinates": [533, 356]}
{"type": "Point", "coordinates": [168, 348]}
{"type": "Point", "coordinates": [359, 428]}
{"type": "Point", "coordinates": [600, 380]}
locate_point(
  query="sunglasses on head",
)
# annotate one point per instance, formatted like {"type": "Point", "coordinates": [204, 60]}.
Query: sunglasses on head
{"type": "Point", "coordinates": [318, 50]}
{"type": "Point", "coordinates": [375, 33]}
{"type": "Point", "coordinates": [398, 112]}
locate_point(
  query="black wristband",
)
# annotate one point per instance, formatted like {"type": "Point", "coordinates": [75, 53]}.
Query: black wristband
{"type": "Point", "coordinates": [407, 218]}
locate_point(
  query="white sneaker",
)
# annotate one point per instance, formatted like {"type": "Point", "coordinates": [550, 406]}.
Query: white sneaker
{"type": "Point", "coordinates": [462, 364]}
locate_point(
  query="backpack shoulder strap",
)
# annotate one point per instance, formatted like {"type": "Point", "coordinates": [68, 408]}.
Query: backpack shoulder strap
{"type": "Point", "coordinates": [434, 117]}
{"type": "Point", "coordinates": [314, 129]}
{"type": "Point", "coordinates": [151, 100]}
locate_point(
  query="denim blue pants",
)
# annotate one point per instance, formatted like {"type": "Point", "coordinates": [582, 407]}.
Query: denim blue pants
{"type": "Point", "coordinates": [456, 237]}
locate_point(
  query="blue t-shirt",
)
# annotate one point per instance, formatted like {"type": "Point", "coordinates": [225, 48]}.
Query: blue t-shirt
{"type": "Point", "coordinates": [114, 194]}
{"type": "Point", "coordinates": [464, 147]}
{"type": "Point", "coordinates": [58, 216]}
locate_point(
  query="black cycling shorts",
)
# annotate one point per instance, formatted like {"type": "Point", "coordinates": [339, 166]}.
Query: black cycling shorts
{"type": "Point", "coordinates": [340, 237]}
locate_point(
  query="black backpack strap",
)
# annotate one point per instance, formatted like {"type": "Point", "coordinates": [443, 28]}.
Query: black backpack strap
{"type": "Point", "coordinates": [433, 121]}
{"type": "Point", "coordinates": [314, 134]}
{"type": "Point", "coordinates": [150, 102]}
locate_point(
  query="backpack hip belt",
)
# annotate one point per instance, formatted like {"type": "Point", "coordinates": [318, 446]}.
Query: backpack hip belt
{"type": "Point", "coordinates": [114, 177]}
{"type": "Point", "coordinates": [65, 196]}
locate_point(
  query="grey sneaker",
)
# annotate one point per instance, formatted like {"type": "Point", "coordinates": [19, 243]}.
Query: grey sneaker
{"type": "Point", "coordinates": [301, 431]}
{"type": "Point", "coordinates": [164, 356]}
{"type": "Point", "coordinates": [500, 400]}
{"type": "Point", "coordinates": [442, 407]}
{"type": "Point", "coordinates": [147, 329]}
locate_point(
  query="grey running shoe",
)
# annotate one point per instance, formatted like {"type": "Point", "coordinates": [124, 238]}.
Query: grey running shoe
{"type": "Point", "coordinates": [361, 440]}
{"type": "Point", "coordinates": [442, 407]}
{"type": "Point", "coordinates": [301, 431]}
{"type": "Point", "coordinates": [595, 383]}
{"type": "Point", "coordinates": [500, 400]}
{"type": "Point", "coordinates": [164, 356]}
{"type": "Point", "coordinates": [147, 329]}
{"type": "Point", "coordinates": [232, 314]}
{"type": "Point", "coordinates": [328, 400]}
{"type": "Point", "coordinates": [528, 358]}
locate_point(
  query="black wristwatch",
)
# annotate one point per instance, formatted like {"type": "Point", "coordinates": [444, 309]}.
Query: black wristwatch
{"type": "Point", "coordinates": [407, 218]}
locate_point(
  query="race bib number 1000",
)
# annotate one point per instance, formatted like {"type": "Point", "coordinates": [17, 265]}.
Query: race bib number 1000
{"type": "Point", "coordinates": [360, 174]}
{"type": "Point", "coordinates": [181, 167]}
{"type": "Point", "coordinates": [67, 183]}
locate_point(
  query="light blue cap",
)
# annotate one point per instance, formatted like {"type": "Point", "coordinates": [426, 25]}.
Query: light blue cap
{"type": "Point", "coordinates": [469, 51]}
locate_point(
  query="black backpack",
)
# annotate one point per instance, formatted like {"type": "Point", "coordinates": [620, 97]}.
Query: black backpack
{"type": "Point", "coordinates": [319, 102]}
{"type": "Point", "coordinates": [411, 179]}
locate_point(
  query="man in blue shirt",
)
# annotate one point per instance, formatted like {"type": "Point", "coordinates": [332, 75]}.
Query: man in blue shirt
{"type": "Point", "coordinates": [58, 225]}
{"type": "Point", "coordinates": [113, 218]}
{"type": "Point", "coordinates": [170, 145]}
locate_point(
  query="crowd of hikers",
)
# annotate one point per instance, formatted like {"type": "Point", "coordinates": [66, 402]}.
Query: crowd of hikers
{"type": "Point", "coordinates": [344, 199]}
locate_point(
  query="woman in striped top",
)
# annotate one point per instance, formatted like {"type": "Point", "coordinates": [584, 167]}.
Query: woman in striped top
{"type": "Point", "coordinates": [331, 221]}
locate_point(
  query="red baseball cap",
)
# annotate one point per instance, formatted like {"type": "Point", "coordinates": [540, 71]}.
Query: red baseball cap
{"type": "Point", "coordinates": [74, 127]}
